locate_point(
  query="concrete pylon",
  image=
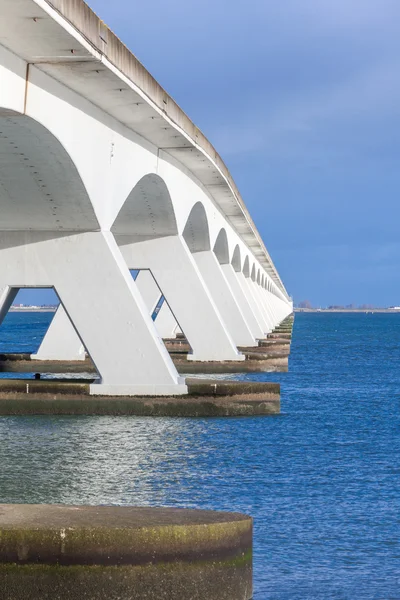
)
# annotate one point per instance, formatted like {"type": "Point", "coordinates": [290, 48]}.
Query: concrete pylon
{"type": "Point", "coordinates": [165, 322]}
{"type": "Point", "coordinates": [272, 300]}
{"type": "Point", "coordinates": [268, 307]}
{"type": "Point", "coordinates": [7, 297]}
{"type": "Point", "coordinates": [224, 298]}
{"type": "Point", "coordinates": [252, 285]}
{"type": "Point", "coordinates": [148, 289]}
{"type": "Point", "coordinates": [61, 342]}
{"type": "Point", "coordinates": [243, 301]}
{"type": "Point", "coordinates": [245, 284]}
{"type": "Point", "coordinates": [115, 327]}
{"type": "Point", "coordinates": [182, 284]}
{"type": "Point", "coordinates": [261, 303]}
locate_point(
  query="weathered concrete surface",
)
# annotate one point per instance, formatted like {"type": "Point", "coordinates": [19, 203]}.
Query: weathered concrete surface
{"type": "Point", "coordinates": [206, 398]}
{"type": "Point", "coordinates": [275, 336]}
{"type": "Point", "coordinates": [256, 361]}
{"type": "Point", "coordinates": [274, 342]}
{"type": "Point", "coordinates": [280, 347]}
{"type": "Point", "coordinates": [274, 350]}
{"type": "Point", "coordinates": [22, 363]}
{"type": "Point", "coordinates": [121, 553]}
{"type": "Point", "coordinates": [177, 344]}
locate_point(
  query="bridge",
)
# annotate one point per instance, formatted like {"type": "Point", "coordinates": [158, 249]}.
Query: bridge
{"type": "Point", "coordinates": [102, 175]}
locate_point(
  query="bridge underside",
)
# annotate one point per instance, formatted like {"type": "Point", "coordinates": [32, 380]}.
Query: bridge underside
{"type": "Point", "coordinates": [96, 181]}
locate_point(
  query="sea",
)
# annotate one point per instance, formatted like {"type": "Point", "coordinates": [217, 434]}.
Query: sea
{"type": "Point", "coordinates": [321, 480]}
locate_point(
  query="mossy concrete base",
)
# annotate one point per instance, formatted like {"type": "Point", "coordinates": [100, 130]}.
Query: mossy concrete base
{"type": "Point", "coordinates": [277, 335]}
{"type": "Point", "coordinates": [276, 346]}
{"type": "Point", "coordinates": [206, 398]}
{"type": "Point", "coordinates": [256, 361]}
{"type": "Point", "coordinates": [123, 553]}
{"type": "Point", "coordinates": [272, 350]}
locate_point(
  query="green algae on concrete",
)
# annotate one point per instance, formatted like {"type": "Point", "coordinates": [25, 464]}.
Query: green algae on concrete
{"type": "Point", "coordinates": [63, 552]}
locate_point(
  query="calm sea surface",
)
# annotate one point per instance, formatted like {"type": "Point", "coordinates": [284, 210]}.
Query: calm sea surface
{"type": "Point", "coordinates": [322, 480]}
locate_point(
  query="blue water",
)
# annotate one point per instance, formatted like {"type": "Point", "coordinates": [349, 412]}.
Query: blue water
{"type": "Point", "coordinates": [322, 480]}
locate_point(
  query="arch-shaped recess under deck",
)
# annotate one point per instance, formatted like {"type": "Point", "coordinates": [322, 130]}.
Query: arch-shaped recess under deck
{"type": "Point", "coordinates": [196, 233]}
{"type": "Point", "coordinates": [246, 267]}
{"type": "Point", "coordinates": [258, 277]}
{"type": "Point", "coordinates": [253, 272]}
{"type": "Point", "coordinates": [221, 248]}
{"type": "Point", "coordinates": [237, 259]}
{"type": "Point", "coordinates": [40, 186]}
{"type": "Point", "coordinates": [148, 212]}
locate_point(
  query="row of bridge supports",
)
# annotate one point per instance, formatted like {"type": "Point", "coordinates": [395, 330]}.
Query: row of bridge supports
{"type": "Point", "coordinates": [107, 314]}
{"type": "Point", "coordinates": [233, 296]}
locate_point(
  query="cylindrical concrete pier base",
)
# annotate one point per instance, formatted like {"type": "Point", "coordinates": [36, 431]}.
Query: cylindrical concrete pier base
{"type": "Point", "coordinates": [123, 553]}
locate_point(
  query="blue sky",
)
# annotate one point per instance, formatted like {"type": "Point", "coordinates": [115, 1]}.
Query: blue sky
{"type": "Point", "coordinates": [302, 100]}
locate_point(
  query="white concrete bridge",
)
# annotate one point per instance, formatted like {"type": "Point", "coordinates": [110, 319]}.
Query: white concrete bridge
{"type": "Point", "coordinates": [101, 173]}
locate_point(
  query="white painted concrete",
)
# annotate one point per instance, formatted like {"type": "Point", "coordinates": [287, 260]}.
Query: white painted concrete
{"type": "Point", "coordinates": [115, 327]}
{"type": "Point", "coordinates": [87, 149]}
{"type": "Point", "coordinates": [148, 289]}
{"type": "Point", "coordinates": [243, 301]}
{"type": "Point", "coordinates": [165, 322]}
{"type": "Point", "coordinates": [61, 342]}
{"type": "Point", "coordinates": [181, 283]}
{"type": "Point", "coordinates": [7, 297]}
{"type": "Point", "coordinates": [243, 281]}
{"type": "Point", "coordinates": [261, 303]}
{"type": "Point", "coordinates": [221, 292]}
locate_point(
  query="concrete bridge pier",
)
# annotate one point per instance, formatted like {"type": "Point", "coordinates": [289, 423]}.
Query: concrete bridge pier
{"type": "Point", "coordinates": [282, 309]}
{"type": "Point", "coordinates": [110, 324]}
{"type": "Point", "coordinates": [61, 342]}
{"type": "Point", "coordinates": [53, 552]}
{"type": "Point", "coordinates": [7, 297]}
{"type": "Point", "coordinates": [180, 281]}
{"type": "Point", "coordinates": [269, 306]}
{"type": "Point", "coordinates": [242, 280]}
{"type": "Point", "coordinates": [224, 298]}
{"type": "Point", "coordinates": [243, 302]}
{"type": "Point", "coordinates": [257, 305]}
{"type": "Point", "coordinates": [149, 290]}
{"type": "Point", "coordinates": [261, 303]}
{"type": "Point", "coordinates": [165, 322]}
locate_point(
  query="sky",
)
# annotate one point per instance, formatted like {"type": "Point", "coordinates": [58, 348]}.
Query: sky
{"type": "Point", "coordinates": [302, 100]}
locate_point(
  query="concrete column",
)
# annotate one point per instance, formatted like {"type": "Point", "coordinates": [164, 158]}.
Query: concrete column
{"type": "Point", "coordinates": [61, 342]}
{"type": "Point", "coordinates": [148, 289]}
{"type": "Point", "coordinates": [271, 307]}
{"type": "Point", "coordinates": [113, 324]}
{"type": "Point", "coordinates": [279, 308]}
{"type": "Point", "coordinates": [165, 321]}
{"type": "Point", "coordinates": [251, 300]}
{"type": "Point", "coordinates": [243, 302]}
{"type": "Point", "coordinates": [261, 303]}
{"type": "Point", "coordinates": [268, 306]}
{"type": "Point", "coordinates": [7, 297]}
{"type": "Point", "coordinates": [223, 297]}
{"type": "Point", "coordinates": [180, 281]}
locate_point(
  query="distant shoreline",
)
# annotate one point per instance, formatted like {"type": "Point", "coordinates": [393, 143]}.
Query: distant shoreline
{"type": "Point", "coordinates": [347, 310]}
{"type": "Point", "coordinates": [35, 309]}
